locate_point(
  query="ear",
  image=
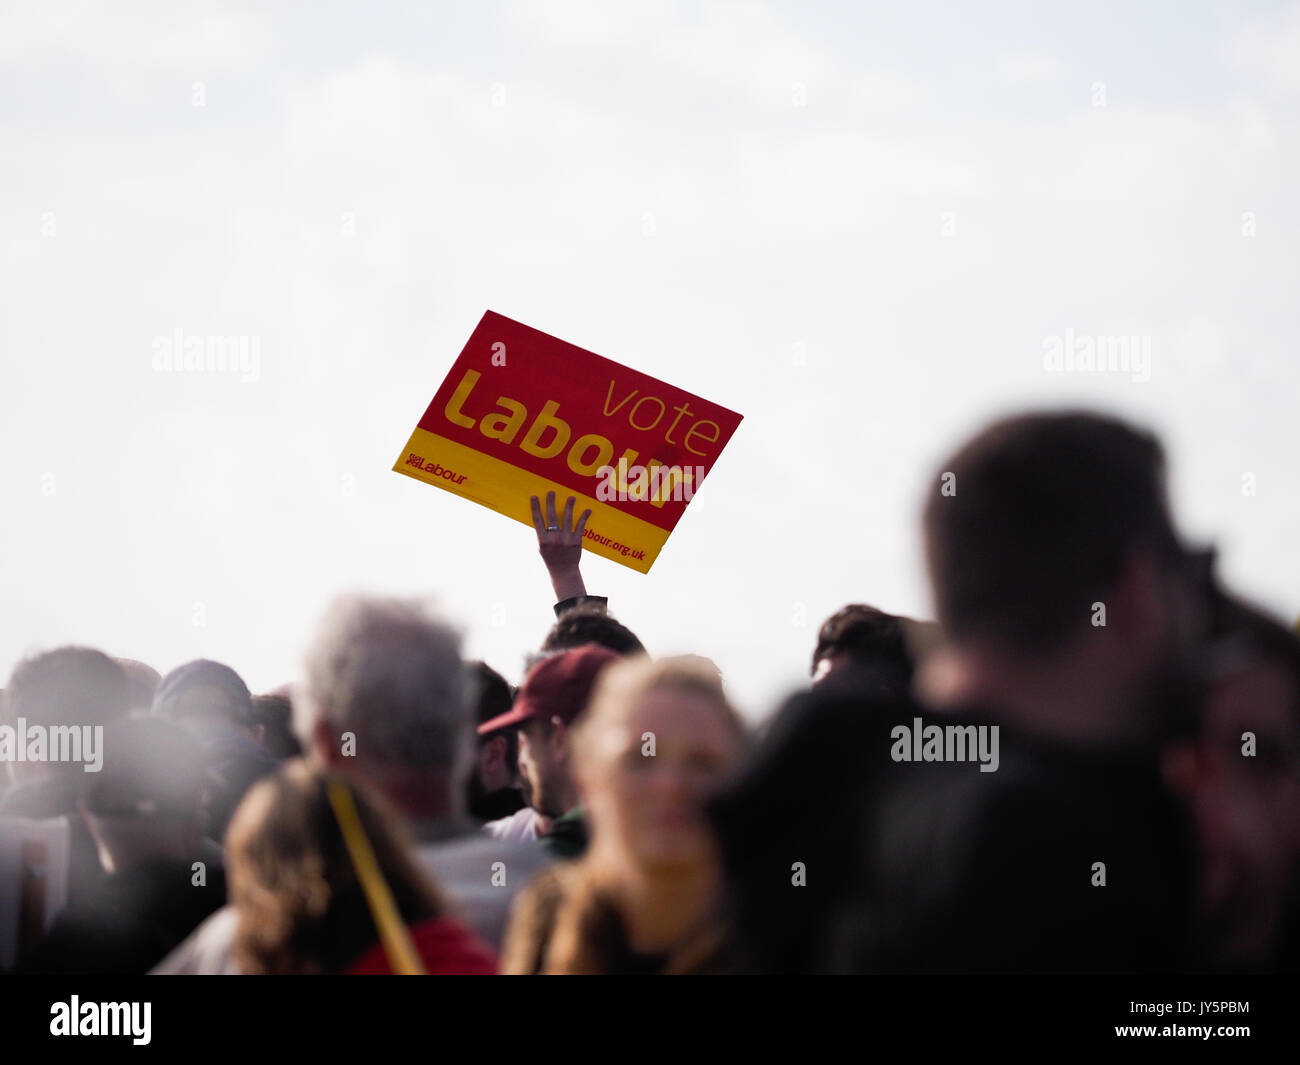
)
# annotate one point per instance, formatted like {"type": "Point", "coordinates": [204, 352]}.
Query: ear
{"type": "Point", "coordinates": [824, 666]}
{"type": "Point", "coordinates": [493, 755]}
{"type": "Point", "coordinates": [258, 733]}
{"type": "Point", "coordinates": [559, 737]}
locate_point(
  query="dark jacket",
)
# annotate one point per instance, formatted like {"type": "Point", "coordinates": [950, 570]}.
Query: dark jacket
{"type": "Point", "coordinates": [1001, 872]}
{"type": "Point", "coordinates": [133, 921]}
{"type": "Point", "coordinates": [842, 860]}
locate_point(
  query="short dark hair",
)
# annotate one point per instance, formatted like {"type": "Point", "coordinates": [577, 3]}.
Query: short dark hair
{"type": "Point", "coordinates": [495, 697]}
{"type": "Point", "coordinates": [203, 688]}
{"type": "Point", "coordinates": [1032, 520]}
{"type": "Point", "coordinates": [68, 686]}
{"type": "Point", "coordinates": [274, 712]}
{"type": "Point", "coordinates": [1247, 628]}
{"type": "Point", "coordinates": [583, 625]}
{"type": "Point", "coordinates": [141, 680]}
{"type": "Point", "coordinates": [866, 635]}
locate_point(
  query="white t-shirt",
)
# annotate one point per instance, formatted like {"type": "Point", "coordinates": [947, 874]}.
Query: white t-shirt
{"type": "Point", "coordinates": [520, 825]}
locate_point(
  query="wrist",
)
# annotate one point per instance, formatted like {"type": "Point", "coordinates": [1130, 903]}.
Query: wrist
{"type": "Point", "coordinates": [598, 603]}
{"type": "Point", "coordinates": [568, 583]}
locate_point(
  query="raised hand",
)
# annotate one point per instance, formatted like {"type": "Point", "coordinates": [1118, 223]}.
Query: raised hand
{"type": "Point", "coordinates": [559, 542]}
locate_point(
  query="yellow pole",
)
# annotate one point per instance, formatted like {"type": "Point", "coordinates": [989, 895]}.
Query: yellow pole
{"type": "Point", "coordinates": [403, 958]}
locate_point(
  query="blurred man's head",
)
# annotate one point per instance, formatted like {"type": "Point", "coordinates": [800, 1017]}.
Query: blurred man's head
{"type": "Point", "coordinates": [384, 696]}
{"type": "Point", "coordinates": [145, 801]}
{"type": "Point", "coordinates": [582, 625]}
{"type": "Point", "coordinates": [1241, 778]}
{"type": "Point", "coordinates": [1054, 561]}
{"type": "Point", "coordinates": [552, 697]}
{"type": "Point", "coordinates": [142, 682]}
{"type": "Point", "coordinates": [273, 720]}
{"type": "Point", "coordinates": [211, 702]}
{"type": "Point", "coordinates": [866, 640]}
{"type": "Point", "coordinates": [205, 691]}
{"type": "Point", "coordinates": [67, 687]}
{"type": "Point", "coordinates": [496, 765]}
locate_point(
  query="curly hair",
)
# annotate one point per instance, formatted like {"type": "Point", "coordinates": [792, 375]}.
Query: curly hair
{"type": "Point", "coordinates": [865, 634]}
{"type": "Point", "coordinates": [583, 625]}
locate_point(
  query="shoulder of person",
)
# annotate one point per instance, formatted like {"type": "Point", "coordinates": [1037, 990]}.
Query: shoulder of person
{"type": "Point", "coordinates": [533, 918]}
{"type": "Point", "coordinates": [207, 951]}
{"type": "Point", "coordinates": [473, 850]}
{"type": "Point", "coordinates": [520, 825]}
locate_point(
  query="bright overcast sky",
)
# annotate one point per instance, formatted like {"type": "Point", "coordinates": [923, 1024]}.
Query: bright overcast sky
{"type": "Point", "coordinates": [859, 225]}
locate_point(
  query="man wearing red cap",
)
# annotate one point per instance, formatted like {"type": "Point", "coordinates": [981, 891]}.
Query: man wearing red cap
{"type": "Point", "coordinates": [550, 700]}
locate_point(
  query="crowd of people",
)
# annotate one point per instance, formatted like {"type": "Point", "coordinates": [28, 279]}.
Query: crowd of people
{"type": "Point", "coordinates": [397, 809]}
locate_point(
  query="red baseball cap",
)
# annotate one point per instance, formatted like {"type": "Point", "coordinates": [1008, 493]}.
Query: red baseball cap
{"type": "Point", "coordinates": [559, 685]}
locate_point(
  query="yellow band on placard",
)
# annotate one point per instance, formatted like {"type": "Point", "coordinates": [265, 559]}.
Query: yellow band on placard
{"type": "Point", "coordinates": [506, 489]}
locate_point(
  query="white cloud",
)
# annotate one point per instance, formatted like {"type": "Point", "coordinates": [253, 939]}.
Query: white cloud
{"type": "Point", "coordinates": [586, 24]}
{"type": "Point", "coordinates": [1267, 50]}
{"type": "Point", "coordinates": [1022, 69]}
{"type": "Point", "coordinates": [151, 37]}
{"type": "Point", "coordinates": [743, 51]}
{"type": "Point", "coordinates": [748, 49]}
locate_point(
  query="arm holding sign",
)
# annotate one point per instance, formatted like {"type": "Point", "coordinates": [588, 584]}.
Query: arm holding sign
{"type": "Point", "coordinates": [559, 541]}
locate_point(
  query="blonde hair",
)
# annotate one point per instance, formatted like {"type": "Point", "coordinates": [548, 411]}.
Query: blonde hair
{"type": "Point", "coordinates": [621, 684]}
